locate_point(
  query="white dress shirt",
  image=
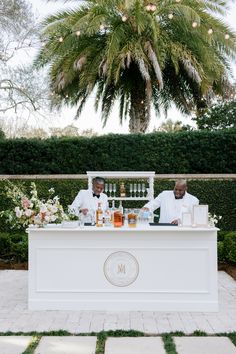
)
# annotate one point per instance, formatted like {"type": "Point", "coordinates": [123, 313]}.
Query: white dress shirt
{"type": "Point", "coordinates": [85, 200]}
{"type": "Point", "coordinates": [171, 208]}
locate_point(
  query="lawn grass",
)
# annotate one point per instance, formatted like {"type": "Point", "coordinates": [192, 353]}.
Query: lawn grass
{"type": "Point", "coordinates": [103, 335]}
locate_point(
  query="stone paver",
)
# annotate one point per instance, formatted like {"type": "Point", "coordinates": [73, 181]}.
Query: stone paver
{"type": "Point", "coordinates": [15, 316]}
{"type": "Point", "coordinates": [204, 345]}
{"type": "Point", "coordinates": [14, 344]}
{"type": "Point", "coordinates": [141, 345]}
{"type": "Point", "coordinates": [66, 345]}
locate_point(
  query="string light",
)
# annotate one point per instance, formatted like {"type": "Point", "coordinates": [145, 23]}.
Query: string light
{"type": "Point", "coordinates": [210, 31]}
{"type": "Point", "coordinates": [151, 7]}
{"type": "Point", "coordinates": [124, 18]}
{"type": "Point", "coordinates": [227, 36]}
{"type": "Point", "coordinates": [78, 33]}
{"type": "Point", "coordinates": [60, 39]}
{"type": "Point", "coordinates": [102, 27]}
{"type": "Point", "coordinates": [170, 16]}
{"type": "Point", "coordinates": [194, 24]}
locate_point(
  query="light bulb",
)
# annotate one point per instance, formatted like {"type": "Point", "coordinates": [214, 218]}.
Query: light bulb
{"type": "Point", "coordinates": [60, 39]}
{"type": "Point", "coordinates": [227, 36]}
{"type": "Point", "coordinates": [210, 31]}
{"type": "Point", "coordinates": [194, 24]}
{"type": "Point", "coordinates": [170, 16]}
{"type": "Point", "coordinates": [124, 18]}
{"type": "Point", "coordinates": [78, 33]}
{"type": "Point", "coordinates": [102, 27]}
{"type": "Point", "coordinates": [148, 7]}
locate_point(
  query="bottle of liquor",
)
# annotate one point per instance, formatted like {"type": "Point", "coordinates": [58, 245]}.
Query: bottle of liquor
{"type": "Point", "coordinates": [132, 219]}
{"type": "Point", "coordinates": [99, 216]}
{"type": "Point", "coordinates": [113, 209]}
{"type": "Point", "coordinates": [118, 222]}
{"type": "Point", "coordinates": [120, 207]}
{"type": "Point", "coordinates": [122, 190]}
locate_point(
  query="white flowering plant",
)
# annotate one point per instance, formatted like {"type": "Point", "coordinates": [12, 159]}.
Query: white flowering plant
{"type": "Point", "coordinates": [30, 210]}
{"type": "Point", "coordinates": [214, 219]}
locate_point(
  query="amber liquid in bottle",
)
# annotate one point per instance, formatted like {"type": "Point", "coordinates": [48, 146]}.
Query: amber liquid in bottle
{"type": "Point", "coordinates": [99, 216]}
{"type": "Point", "coordinates": [117, 219]}
{"type": "Point", "coordinates": [132, 219]}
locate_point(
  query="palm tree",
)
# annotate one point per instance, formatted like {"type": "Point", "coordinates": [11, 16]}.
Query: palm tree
{"type": "Point", "coordinates": [140, 53]}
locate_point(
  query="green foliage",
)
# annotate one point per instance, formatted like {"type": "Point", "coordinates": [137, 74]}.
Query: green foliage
{"type": "Point", "coordinates": [230, 246]}
{"type": "Point", "coordinates": [220, 116]}
{"type": "Point", "coordinates": [14, 247]}
{"type": "Point", "coordinates": [146, 58]}
{"type": "Point", "coordinates": [182, 152]}
{"type": "Point", "coordinates": [2, 134]}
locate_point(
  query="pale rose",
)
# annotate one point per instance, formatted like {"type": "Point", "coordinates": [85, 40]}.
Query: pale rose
{"type": "Point", "coordinates": [54, 209]}
{"type": "Point", "coordinates": [37, 220]}
{"type": "Point", "coordinates": [25, 203]}
{"type": "Point", "coordinates": [53, 218]}
{"type": "Point", "coordinates": [43, 208]}
{"type": "Point", "coordinates": [47, 218]}
{"type": "Point", "coordinates": [28, 212]}
{"type": "Point", "coordinates": [18, 212]}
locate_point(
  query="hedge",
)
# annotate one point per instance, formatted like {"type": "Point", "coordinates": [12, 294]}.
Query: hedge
{"type": "Point", "coordinates": [220, 195]}
{"type": "Point", "coordinates": [166, 153]}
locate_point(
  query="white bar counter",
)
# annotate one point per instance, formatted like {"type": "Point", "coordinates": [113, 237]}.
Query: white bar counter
{"type": "Point", "coordinates": [153, 268]}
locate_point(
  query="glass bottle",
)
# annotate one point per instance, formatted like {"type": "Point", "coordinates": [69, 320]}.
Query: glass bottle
{"type": "Point", "coordinates": [122, 190]}
{"type": "Point", "coordinates": [118, 221]}
{"type": "Point", "coordinates": [99, 216]}
{"type": "Point", "coordinates": [132, 219]}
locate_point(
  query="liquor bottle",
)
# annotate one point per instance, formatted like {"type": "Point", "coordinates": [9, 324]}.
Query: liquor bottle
{"type": "Point", "coordinates": [99, 216]}
{"type": "Point", "coordinates": [132, 219]}
{"type": "Point", "coordinates": [118, 222]}
{"type": "Point", "coordinates": [120, 207]}
{"type": "Point", "coordinates": [122, 190]}
{"type": "Point", "coordinates": [113, 209]}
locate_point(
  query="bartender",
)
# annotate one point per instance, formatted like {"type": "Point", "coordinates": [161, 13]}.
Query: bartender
{"type": "Point", "coordinates": [88, 199]}
{"type": "Point", "coordinates": [173, 203]}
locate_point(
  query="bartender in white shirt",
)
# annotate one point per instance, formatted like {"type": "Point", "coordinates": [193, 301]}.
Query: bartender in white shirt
{"type": "Point", "coordinates": [88, 199]}
{"type": "Point", "coordinates": [173, 203]}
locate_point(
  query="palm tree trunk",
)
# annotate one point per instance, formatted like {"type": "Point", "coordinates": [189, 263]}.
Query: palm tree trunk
{"type": "Point", "coordinates": [139, 111]}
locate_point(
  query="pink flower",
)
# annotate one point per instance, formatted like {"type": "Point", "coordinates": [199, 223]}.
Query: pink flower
{"type": "Point", "coordinates": [25, 203]}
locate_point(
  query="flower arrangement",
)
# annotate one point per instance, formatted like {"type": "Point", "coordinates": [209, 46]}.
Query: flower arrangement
{"type": "Point", "coordinates": [214, 219]}
{"type": "Point", "coordinates": [30, 210]}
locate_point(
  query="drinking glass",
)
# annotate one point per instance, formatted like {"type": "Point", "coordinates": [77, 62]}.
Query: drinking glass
{"type": "Point", "coordinates": [143, 189]}
{"type": "Point", "coordinates": [114, 189]}
{"type": "Point", "coordinates": [110, 189]}
{"type": "Point", "coordinates": [135, 189]}
{"type": "Point", "coordinates": [131, 189]}
{"type": "Point", "coordinates": [139, 189]}
{"type": "Point", "coordinates": [106, 188]}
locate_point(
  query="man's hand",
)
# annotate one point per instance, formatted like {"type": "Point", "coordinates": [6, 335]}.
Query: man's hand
{"type": "Point", "coordinates": [175, 222]}
{"type": "Point", "coordinates": [84, 211]}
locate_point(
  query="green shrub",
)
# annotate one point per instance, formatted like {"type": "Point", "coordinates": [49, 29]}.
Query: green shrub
{"type": "Point", "coordinates": [221, 256]}
{"type": "Point", "coordinates": [230, 246]}
{"type": "Point", "coordinates": [14, 247]}
{"type": "Point", "coordinates": [182, 152]}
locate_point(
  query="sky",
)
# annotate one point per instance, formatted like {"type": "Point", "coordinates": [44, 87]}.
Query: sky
{"type": "Point", "coordinates": [89, 119]}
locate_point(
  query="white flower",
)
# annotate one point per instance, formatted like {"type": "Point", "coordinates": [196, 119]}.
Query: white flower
{"type": "Point", "coordinates": [28, 212]}
{"type": "Point", "coordinates": [51, 190]}
{"type": "Point", "coordinates": [43, 208]}
{"type": "Point", "coordinates": [18, 212]}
